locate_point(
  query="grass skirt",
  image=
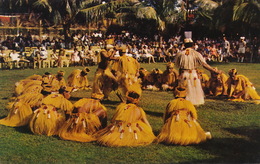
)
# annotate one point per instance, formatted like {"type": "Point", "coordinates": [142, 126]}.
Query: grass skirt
{"type": "Point", "coordinates": [77, 81]}
{"type": "Point", "coordinates": [195, 92]}
{"type": "Point", "coordinates": [19, 115]}
{"type": "Point", "coordinates": [80, 127]}
{"type": "Point", "coordinates": [46, 120]}
{"type": "Point", "coordinates": [58, 101]}
{"type": "Point", "coordinates": [181, 126]}
{"type": "Point", "coordinates": [128, 128]}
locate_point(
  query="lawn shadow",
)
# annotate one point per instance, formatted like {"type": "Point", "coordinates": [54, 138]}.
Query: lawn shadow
{"type": "Point", "coordinates": [23, 129]}
{"type": "Point", "coordinates": [156, 114]}
{"type": "Point", "coordinates": [234, 150]}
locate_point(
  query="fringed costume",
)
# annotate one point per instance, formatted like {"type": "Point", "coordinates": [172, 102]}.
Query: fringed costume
{"type": "Point", "coordinates": [104, 81]}
{"type": "Point", "coordinates": [27, 85]}
{"type": "Point", "coordinates": [127, 70]}
{"type": "Point", "coordinates": [78, 79]}
{"type": "Point", "coordinates": [169, 77]}
{"type": "Point", "coordinates": [180, 123]}
{"type": "Point", "coordinates": [46, 120]}
{"type": "Point", "coordinates": [218, 84]}
{"type": "Point", "coordinates": [188, 61]}
{"type": "Point", "coordinates": [129, 126]}
{"type": "Point", "coordinates": [240, 88]}
{"type": "Point", "coordinates": [19, 115]}
{"type": "Point", "coordinates": [82, 125]}
{"type": "Point", "coordinates": [58, 101]}
{"type": "Point", "coordinates": [32, 99]}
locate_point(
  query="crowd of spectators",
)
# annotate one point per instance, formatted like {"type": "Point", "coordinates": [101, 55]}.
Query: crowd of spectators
{"type": "Point", "coordinates": [33, 51]}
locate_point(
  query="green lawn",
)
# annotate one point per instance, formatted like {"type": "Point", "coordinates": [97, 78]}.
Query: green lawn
{"type": "Point", "coordinates": [234, 127]}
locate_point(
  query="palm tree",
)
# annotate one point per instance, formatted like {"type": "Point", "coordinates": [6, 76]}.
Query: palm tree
{"type": "Point", "coordinates": [237, 16]}
{"type": "Point", "coordinates": [247, 11]}
{"type": "Point", "coordinates": [64, 12]}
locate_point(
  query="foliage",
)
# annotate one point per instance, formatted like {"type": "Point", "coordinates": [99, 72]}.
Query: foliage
{"type": "Point", "coordinates": [234, 126]}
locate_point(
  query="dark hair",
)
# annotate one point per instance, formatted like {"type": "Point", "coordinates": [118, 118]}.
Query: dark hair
{"type": "Point", "coordinates": [187, 45]}
{"type": "Point", "coordinates": [133, 95]}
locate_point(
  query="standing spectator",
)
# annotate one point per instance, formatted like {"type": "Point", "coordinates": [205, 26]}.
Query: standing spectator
{"type": "Point", "coordinates": [75, 58]}
{"type": "Point", "coordinates": [226, 50]}
{"type": "Point", "coordinates": [241, 50]}
{"type": "Point", "coordinates": [255, 46]}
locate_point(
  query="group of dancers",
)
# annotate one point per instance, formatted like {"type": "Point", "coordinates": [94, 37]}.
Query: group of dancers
{"type": "Point", "coordinates": [42, 103]}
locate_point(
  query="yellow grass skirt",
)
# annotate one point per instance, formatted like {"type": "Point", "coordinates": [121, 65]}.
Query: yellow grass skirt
{"type": "Point", "coordinates": [19, 115]}
{"type": "Point", "coordinates": [181, 126]}
{"type": "Point", "coordinates": [77, 81]}
{"type": "Point", "coordinates": [80, 127]}
{"type": "Point", "coordinates": [46, 120]}
{"type": "Point", "coordinates": [127, 129]}
{"type": "Point", "coordinates": [59, 102]}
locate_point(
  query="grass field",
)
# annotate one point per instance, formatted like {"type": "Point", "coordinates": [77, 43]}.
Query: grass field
{"type": "Point", "coordinates": [235, 128]}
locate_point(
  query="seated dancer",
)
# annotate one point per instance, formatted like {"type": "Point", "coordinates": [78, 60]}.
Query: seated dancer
{"type": "Point", "coordinates": [129, 126]}
{"type": "Point", "coordinates": [88, 117]}
{"type": "Point", "coordinates": [180, 122]}
{"type": "Point", "coordinates": [78, 79]}
{"type": "Point", "coordinates": [150, 80]}
{"type": "Point", "coordinates": [169, 77]}
{"type": "Point", "coordinates": [19, 115]}
{"type": "Point", "coordinates": [26, 84]}
{"type": "Point", "coordinates": [49, 117]}
{"type": "Point", "coordinates": [218, 84]}
{"type": "Point", "coordinates": [240, 88]}
{"type": "Point", "coordinates": [204, 79]}
{"type": "Point", "coordinates": [47, 78]}
{"type": "Point", "coordinates": [58, 82]}
{"type": "Point", "coordinates": [21, 107]}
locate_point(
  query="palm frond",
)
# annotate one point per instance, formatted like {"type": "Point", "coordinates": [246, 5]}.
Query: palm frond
{"type": "Point", "coordinates": [42, 4]}
{"type": "Point", "coordinates": [246, 11]}
{"type": "Point", "coordinates": [207, 4]}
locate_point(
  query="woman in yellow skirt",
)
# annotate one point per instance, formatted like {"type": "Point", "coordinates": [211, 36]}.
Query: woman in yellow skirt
{"type": "Point", "coordinates": [19, 114]}
{"type": "Point", "coordinates": [180, 122]}
{"type": "Point", "coordinates": [78, 79]}
{"type": "Point", "coordinates": [20, 108]}
{"type": "Point", "coordinates": [90, 117]}
{"type": "Point", "coordinates": [28, 84]}
{"type": "Point", "coordinates": [49, 117]}
{"type": "Point", "coordinates": [240, 88]}
{"type": "Point", "coordinates": [129, 126]}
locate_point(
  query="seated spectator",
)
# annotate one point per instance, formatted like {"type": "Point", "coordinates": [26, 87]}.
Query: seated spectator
{"type": "Point", "coordinates": [44, 53]}
{"type": "Point", "coordinates": [15, 57]}
{"type": "Point", "coordinates": [146, 54]}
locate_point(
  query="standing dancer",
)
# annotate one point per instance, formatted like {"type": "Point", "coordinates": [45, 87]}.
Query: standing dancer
{"type": "Point", "coordinates": [188, 61]}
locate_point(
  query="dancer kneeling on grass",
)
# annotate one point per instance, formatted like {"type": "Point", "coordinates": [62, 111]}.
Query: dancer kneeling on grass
{"type": "Point", "coordinates": [49, 117]}
{"type": "Point", "coordinates": [89, 117]}
{"type": "Point", "coordinates": [180, 122]}
{"type": "Point", "coordinates": [78, 79]}
{"type": "Point", "coordinates": [129, 125]}
{"type": "Point", "coordinates": [240, 88]}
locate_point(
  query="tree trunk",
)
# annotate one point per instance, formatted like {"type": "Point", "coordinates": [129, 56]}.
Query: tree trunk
{"type": "Point", "coordinates": [67, 35]}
